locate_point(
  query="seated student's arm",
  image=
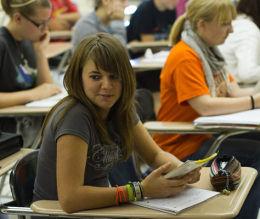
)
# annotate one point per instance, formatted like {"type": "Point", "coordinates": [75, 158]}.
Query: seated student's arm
{"type": "Point", "coordinates": [73, 195]}
{"type": "Point", "coordinates": [239, 100]}
{"type": "Point", "coordinates": [190, 75]}
{"type": "Point", "coordinates": [118, 31]}
{"type": "Point", "coordinates": [149, 150]}
{"type": "Point", "coordinates": [237, 91]}
{"type": "Point", "coordinates": [43, 70]}
{"type": "Point", "coordinates": [42, 91]}
{"type": "Point", "coordinates": [153, 155]}
{"type": "Point", "coordinates": [44, 88]}
{"type": "Point", "coordinates": [116, 11]}
{"type": "Point", "coordinates": [206, 105]}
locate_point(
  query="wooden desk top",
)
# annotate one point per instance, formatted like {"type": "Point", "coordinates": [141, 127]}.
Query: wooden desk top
{"type": "Point", "coordinates": [150, 61]}
{"type": "Point", "coordinates": [175, 127]}
{"type": "Point", "coordinates": [190, 128]}
{"type": "Point", "coordinates": [145, 45]}
{"type": "Point", "coordinates": [142, 66]}
{"type": "Point", "coordinates": [63, 34]}
{"type": "Point", "coordinates": [221, 206]}
{"type": "Point", "coordinates": [23, 110]}
{"type": "Point", "coordinates": [7, 163]}
{"type": "Point", "coordinates": [57, 48]}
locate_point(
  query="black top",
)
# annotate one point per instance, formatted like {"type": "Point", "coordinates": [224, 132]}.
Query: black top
{"type": "Point", "coordinates": [17, 63]}
{"type": "Point", "coordinates": [17, 69]}
{"type": "Point", "coordinates": [147, 19]}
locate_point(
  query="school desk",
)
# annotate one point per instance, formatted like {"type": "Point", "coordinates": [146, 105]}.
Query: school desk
{"type": "Point", "coordinates": [222, 206]}
{"type": "Point", "coordinates": [7, 163]}
{"type": "Point", "coordinates": [190, 128]}
{"type": "Point", "coordinates": [61, 35]}
{"type": "Point", "coordinates": [22, 110]}
{"type": "Point", "coordinates": [57, 48]}
{"type": "Point", "coordinates": [151, 61]}
{"type": "Point", "coordinates": [145, 45]}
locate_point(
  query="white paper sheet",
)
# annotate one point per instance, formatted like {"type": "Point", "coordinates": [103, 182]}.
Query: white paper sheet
{"type": "Point", "coordinates": [189, 197]}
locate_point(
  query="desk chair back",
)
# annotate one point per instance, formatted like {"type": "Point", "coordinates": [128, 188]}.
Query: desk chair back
{"type": "Point", "coordinates": [22, 179]}
{"type": "Point", "coordinates": [145, 105]}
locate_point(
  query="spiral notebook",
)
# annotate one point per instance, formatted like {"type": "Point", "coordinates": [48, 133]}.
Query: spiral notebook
{"type": "Point", "coordinates": [186, 199]}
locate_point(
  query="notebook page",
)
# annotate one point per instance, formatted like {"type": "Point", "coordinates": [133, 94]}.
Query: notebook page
{"type": "Point", "coordinates": [189, 197]}
{"type": "Point", "coordinates": [250, 117]}
{"type": "Point", "coordinates": [47, 102]}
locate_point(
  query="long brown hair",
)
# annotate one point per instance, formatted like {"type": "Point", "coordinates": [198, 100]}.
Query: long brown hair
{"type": "Point", "coordinates": [206, 10]}
{"type": "Point", "coordinates": [24, 6]}
{"type": "Point", "coordinates": [109, 55]}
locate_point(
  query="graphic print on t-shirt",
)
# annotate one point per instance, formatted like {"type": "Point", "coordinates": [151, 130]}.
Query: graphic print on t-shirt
{"type": "Point", "coordinates": [104, 157]}
{"type": "Point", "coordinates": [26, 76]}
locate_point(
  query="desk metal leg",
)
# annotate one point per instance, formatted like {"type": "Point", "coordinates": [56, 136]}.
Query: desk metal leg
{"type": "Point", "coordinates": [2, 182]}
{"type": "Point", "coordinates": [216, 144]}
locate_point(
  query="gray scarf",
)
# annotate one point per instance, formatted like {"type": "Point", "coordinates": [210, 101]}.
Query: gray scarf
{"type": "Point", "coordinates": [212, 61]}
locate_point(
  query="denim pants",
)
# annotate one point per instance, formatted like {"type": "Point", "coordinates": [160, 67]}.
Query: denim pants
{"type": "Point", "coordinates": [246, 148]}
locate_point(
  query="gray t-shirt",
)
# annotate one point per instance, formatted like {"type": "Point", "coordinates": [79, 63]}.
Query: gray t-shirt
{"type": "Point", "coordinates": [100, 159]}
{"type": "Point", "coordinates": [90, 24]}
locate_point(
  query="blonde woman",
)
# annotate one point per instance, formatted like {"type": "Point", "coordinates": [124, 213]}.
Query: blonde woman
{"type": "Point", "coordinates": [194, 83]}
{"type": "Point", "coordinates": [24, 70]}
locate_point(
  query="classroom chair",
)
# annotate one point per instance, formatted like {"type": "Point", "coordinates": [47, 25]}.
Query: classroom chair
{"type": "Point", "coordinates": [21, 182]}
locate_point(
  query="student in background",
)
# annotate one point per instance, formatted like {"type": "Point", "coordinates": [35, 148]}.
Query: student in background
{"type": "Point", "coordinates": [241, 49]}
{"type": "Point", "coordinates": [64, 15]}
{"type": "Point", "coordinates": [76, 157]}
{"type": "Point", "coordinates": [181, 7]}
{"type": "Point", "coordinates": [194, 83]}
{"type": "Point", "coordinates": [108, 17]}
{"type": "Point", "coordinates": [24, 70]}
{"type": "Point", "coordinates": [152, 20]}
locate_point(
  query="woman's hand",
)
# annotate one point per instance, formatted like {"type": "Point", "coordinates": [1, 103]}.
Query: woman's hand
{"type": "Point", "coordinates": [43, 42]}
{"type": "Point", "coordinates": [44, 90]}
{"type": "Point", "coordinates": [155, 185]}
{"type": "Point", "coordinates": [116, 10]}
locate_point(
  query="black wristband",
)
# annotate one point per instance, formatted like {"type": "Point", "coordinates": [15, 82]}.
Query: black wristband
{"type": "Point", "coordinates": [252, 102]}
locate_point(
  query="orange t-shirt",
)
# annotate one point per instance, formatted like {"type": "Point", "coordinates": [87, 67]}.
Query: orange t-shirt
{"type": "Point", "coordinates": [182, 79]}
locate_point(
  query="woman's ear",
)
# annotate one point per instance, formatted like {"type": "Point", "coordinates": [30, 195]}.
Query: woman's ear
{"type": "Point", "coordinates": [17, 17]}
{"type": "Point", "coordinates": [200, 26]}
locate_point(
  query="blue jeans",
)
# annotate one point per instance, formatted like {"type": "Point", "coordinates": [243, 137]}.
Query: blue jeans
{"type": "Point", "coordinates": [247, 151]}
{"type": "Point", "coordinates": [123, 173]}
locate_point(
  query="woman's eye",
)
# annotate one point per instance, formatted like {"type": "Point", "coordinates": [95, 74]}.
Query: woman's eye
{"type": "Point", "coordinates": [95, 77]}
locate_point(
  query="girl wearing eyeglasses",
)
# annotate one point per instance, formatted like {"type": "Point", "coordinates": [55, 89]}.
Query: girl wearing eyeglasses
{"type": "Point", "coordinates": [24, 71]}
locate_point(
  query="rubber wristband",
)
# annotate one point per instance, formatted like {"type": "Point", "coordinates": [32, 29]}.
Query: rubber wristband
{"type": "Point", "coordinates": [252, 102]}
